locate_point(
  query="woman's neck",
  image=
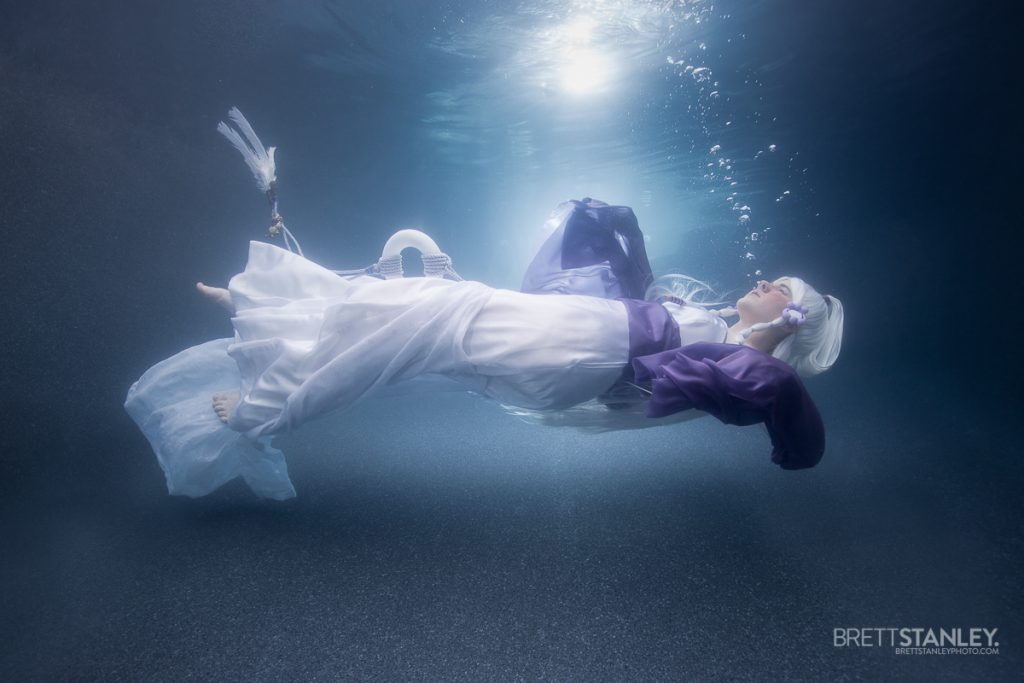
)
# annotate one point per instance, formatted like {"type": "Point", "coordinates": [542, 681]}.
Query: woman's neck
{"type": "Point", "coordinates": [765, 340]}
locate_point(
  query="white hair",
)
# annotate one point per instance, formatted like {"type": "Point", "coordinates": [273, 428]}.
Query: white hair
{"type": "Point", "coordinates": [689, 289]}
{"type": "Point", "coordinates": [815, 345]}
{"type": "Point", "coordinates": [810, 350]}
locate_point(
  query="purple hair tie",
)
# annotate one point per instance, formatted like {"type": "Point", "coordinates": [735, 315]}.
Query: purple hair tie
{"type": "Point", "coordinates": [794, 314]}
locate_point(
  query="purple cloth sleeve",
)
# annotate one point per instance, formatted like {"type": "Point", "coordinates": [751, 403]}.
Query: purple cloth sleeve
{"type": "Point", "coordinates": [738, 385]}
{"type": "Point", "coordinates": [592, 234]}
{"type": "Point", "coordinates": [596, 250]}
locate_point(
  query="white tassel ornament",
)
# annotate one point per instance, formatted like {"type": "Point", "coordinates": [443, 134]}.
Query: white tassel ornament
{"type": "Point", "coordinates": [259, 158]}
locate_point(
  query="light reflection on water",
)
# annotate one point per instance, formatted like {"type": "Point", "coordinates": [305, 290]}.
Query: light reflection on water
{"type": "Point", "coordinates": [632, 102]}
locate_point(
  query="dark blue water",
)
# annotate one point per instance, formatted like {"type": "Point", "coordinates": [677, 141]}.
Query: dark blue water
{"type": "Point", "coordinates": [449, 541]}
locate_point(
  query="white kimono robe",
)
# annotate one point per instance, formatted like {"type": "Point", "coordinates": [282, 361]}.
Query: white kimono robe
{"type": "Point", "coordinates": [308, 342]}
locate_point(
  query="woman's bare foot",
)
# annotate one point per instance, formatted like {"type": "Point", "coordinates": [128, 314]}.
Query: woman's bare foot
{"type": "Point", "coordinates": [217, 295]}
{"type": "Point", "coordinates": [224, 402]}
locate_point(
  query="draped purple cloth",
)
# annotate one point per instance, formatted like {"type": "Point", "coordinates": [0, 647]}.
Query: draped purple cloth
{"type": "Point", "coordinates": [738, 385]}
{"type": "Point", "coordinates": [593, 249]}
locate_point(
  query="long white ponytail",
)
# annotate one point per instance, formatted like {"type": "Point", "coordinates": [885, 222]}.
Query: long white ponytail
{"type": "Point", "coordinates": [815, 345]}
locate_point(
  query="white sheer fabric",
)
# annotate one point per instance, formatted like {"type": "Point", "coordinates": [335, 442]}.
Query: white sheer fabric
{"type": "Point", "coordinates": [196, 451]}
{"type": "Point", "coordinates": [309, 342]}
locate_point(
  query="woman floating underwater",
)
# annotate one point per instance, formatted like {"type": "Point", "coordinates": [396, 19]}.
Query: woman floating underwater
{"type": "Point", "coordinates": [309, 342]}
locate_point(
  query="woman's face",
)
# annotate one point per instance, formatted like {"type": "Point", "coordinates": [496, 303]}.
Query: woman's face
{"type": "Point", "coordinates": [765, 302]}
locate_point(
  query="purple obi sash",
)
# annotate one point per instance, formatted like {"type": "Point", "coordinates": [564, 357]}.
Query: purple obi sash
{"type": "Point", "coordinates": [652, 329]}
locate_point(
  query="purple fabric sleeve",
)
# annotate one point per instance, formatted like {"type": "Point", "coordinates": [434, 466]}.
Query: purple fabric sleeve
{"type": "Point", "coordinates": [595, 250]}
{"type": "Point", "coordinates": [738, 385]}
{"type": "Point", "coordinates": [651, 328]}
{"type": "Point", "coordinates": [592, 234]}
